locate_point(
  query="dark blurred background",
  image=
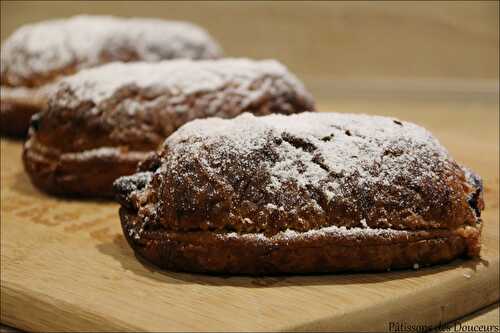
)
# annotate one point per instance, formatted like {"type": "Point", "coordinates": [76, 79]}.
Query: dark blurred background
{"type": "Point", "coordinates": [337, 48]}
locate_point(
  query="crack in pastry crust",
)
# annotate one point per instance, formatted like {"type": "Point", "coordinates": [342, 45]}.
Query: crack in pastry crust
{"type": "Point", "coordinates": [216, 186]}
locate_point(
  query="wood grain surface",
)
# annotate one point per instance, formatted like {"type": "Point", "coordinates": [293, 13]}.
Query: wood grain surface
{"type": "Point", "coordinates": [65, 265]}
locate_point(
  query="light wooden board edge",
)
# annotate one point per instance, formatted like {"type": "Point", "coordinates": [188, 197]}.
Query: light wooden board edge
{"type": "Point", "coordinates": [456, 297]}
{"type": "Point", "coordinates": [42, 309]}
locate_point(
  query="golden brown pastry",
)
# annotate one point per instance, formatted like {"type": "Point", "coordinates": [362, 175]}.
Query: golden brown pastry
{"type": "Point", "coordinates": [305, 193]}
{"type": "Point", "coordinates": [35, 56]}
{"type": "Point", "coordinates": [101, 122]}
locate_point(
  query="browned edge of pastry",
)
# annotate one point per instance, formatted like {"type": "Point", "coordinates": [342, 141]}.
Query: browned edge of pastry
{"type": "Point", "coordinates": [231, 253]}
{"type": "Point", "coordinates": [328, 250]}
{"type": "Point", "coordinates": [83, 174]}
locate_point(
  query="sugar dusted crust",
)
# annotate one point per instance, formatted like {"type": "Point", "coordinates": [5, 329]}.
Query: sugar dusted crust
{"type": "Point", "coordinates": [244, 80]}
{"type": "Point", "coordinates": [36, 56]}
{"type": "Point", "coordinates": [134, 107]}
{"type": "Point", "coordinates": [38, 53]}
{"type": "Point", "coordinates": [313, 192]}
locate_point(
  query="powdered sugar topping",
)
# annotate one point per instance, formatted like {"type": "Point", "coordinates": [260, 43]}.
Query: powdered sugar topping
{"type": "Point", "coordinates": [316, 145]}
{"type": "Point", "coordinates": [86, 41]}
{"type": "Point", "coordinates": [180, 78]}
{"type": "Point", "coordinates": [326, 231]}
{"type": "Point", "coordinates": [309, 164]}
{"type": "Point", "coordinates": [356, 174]}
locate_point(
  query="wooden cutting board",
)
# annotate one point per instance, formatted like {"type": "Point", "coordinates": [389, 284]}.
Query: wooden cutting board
{"type": "Point", "coordinates": [65, 265]}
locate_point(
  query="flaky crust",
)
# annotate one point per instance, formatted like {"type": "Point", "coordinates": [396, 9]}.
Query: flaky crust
{"type": "Point", "coordinates": [119, 111]}
{"type": "Point", "coordinates": [88, 173]}
{"type": "Point", "coordinates": [300, 194]}
{"type": "Point", "coordinates": [323, 252]}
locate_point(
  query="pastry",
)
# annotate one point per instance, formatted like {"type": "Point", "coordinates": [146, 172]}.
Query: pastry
{"type": "Point", "coordinates": [35, 56]}
{"type": "Point", "coordinates": [101, 122]}
{"type": "Point", "coordinates": [304, 193]}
